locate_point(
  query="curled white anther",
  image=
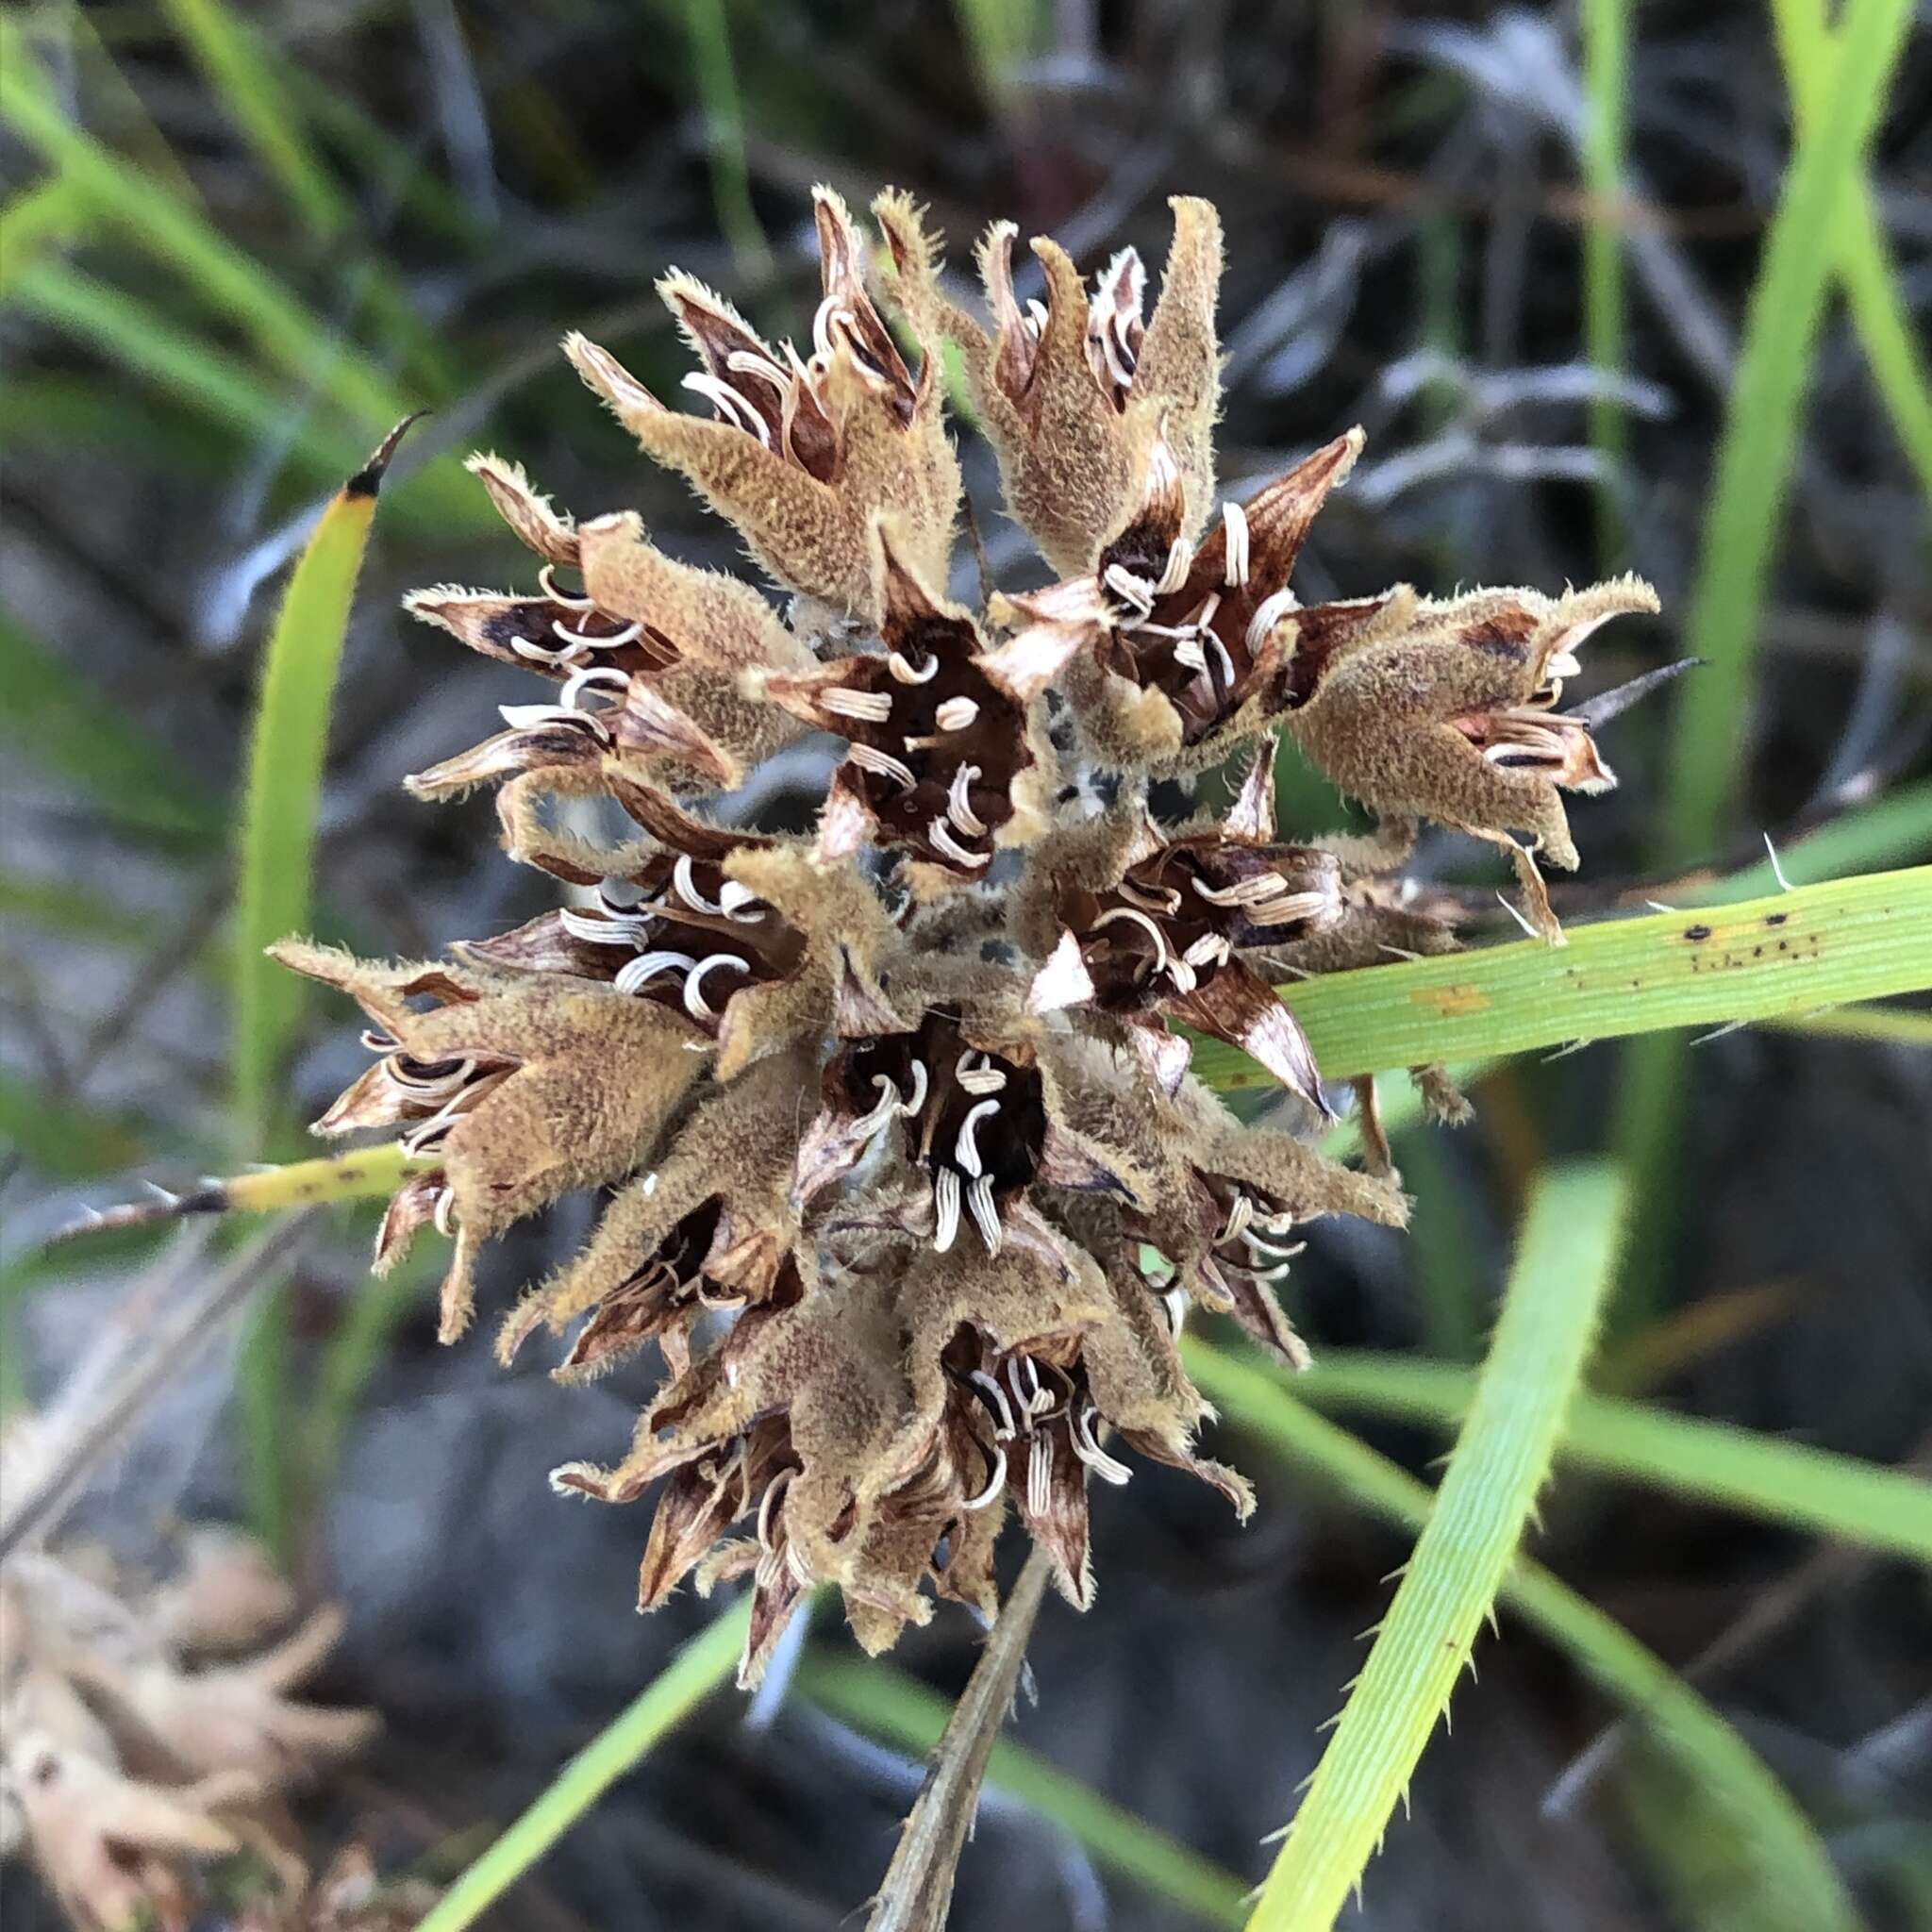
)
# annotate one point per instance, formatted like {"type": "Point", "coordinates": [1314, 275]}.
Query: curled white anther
{"type": "Point", "coordinates": [767, 1504]}
{"type": "Point", "coordinates": [1036, 316]}
{"type": "Point", "coordinates": [958, 806]}
{"type": "Point", "coordinates": [883, 764]}
{"type": "Point", "coordinates": [1089, 1452]}
{"type": "Point", "coordinates": [684, 883]}
{"type": "Point", "coordinates": [1040, 1475]}
{"type": "Point", "coordinates": [1240, 1212]}
{"type": "Point", "coordinates": [996, 1397]}
{"type": "Point", "coordinates": [545, 717]}
{"type": "Point", "coordinates": [1234, 526]}
{"type": "Point", "coordinates": [1210, 949]}
{"type": "Point", "coordinates": [995, 1482]}
{"type": "Point", "coordinates": [888, 1109]}
{"type": "Point", "coordinates": [945, 1208]}
{"type": "Point", "coordinates": [956, 714]}
{"type": "Point", "coordinates": [604, 929]}
{"type": "Point", "coordinates": [985, 1215]}
{"type": "Point", "coordinates": [1190, 654]}
{"type": "Point", "coordinates": [1023, 1372]}
{"type": "Point", "coordinates": [546, 582]}
{"type": "Point", "coordinates": [694, 1002]}
{"type": "Point", "coordinates": [376, 1041]}
{"type": "Point", "coordinates": [1182, 975]}
{"type": "Point", "coordinates": [1220, 650]}
{"type": "Point", "coordinates": [577, 639]}
{"type": "Point", "coordinates": [1150, 898]}
{"type": "Point", "coordinates": [636, 972]}
{"type": "Point", "coordinates": [1175, 1302]}
{"type": "Point", "coordinates": [1135, 591]}
{"type": "Point", "coordinates": [446, 1211]}
{"type": "Point", "coordinates": [901, 667]}
{"type": "Point", "coordinates": [600, 678]}
{"type": "Point", "coordinates": [731, 406]}
{"type": "Point", "coordinates": [867, 706]}
{"type": "Point", "coordinates": [1180, 560]}
{"type": "Point", "coordinates": [940, 833]}
{"type": "Point", "coordinates": [1267, 613]}
{"type": "Point", "coordinates": [983, 1077]}
{"type": "Point", "coordinates": [919, 1083]}
{"type": "Point", "coordinates": [1274, 1250]}
{"type": "Point", "coordinates": [965, 1149]}
{"type": "Point", "coordinates": [1260, 885]}
{"type": "Point", "coordinates": [1140, 919]}
{"type": "Point", "coordinates": [429, 1086]}
{"type": "Point", "coordinates": [745, 362]}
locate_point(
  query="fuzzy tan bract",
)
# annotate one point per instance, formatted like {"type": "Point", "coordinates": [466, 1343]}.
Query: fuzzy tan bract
{"type": "Point", "coordinates": [910, 1187]}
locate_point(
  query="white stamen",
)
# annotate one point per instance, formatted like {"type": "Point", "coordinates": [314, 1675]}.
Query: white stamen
{"type": "Point", "coordinates": [956, 714]}
{"type": "Point", "coordinates": [1292, 906]}
{"type": "Point", "coordinates": [1139, 918]}
{"type": "Point", "coordinates": [997, 1397]}
{"type": "Point", "coordinates": [985, 1215]}
{"type": "Point", "coordinates": [694, 1002]}
{"type": "Point", "coordinates": [1153, 898]}
{"type": "Point", "coordinates": [1210, 949]}
{"type": "Point", "coordinates": [1274, 1251]}
{"type": "Point", "coordinates": [1241, 1211]}
{"type": "Point", "coordinates": [540, 717]}
{"type": "Point", "coordinates": [918, 1100]}
{"type": "Point", "coordinates": [646, 966]}
{"type": "Point", "coordinates": [945, 1202]}
{"type": "Point", "coordinates": [542, 653]}
{"type": "Point", "coordinates": [1177, 1303]}
{"type": "Point", "coordinates": [1260, 885]}
{"type": "Point", "coordinates": [901, 668]}
{"type": "Point", "coordinates": [1180, 560]}
{"type": "Point", "coordinates": [596, 929]}
{"type": "Point", "coordinates": [994, 1483]}
{"type": "Point", "coordinates": [576, 639]}
{"type": "Point", "coordinates": [887, 1107]}
{"type": "Point", "coordinates": [1133, 591]}
{"type": "Point", "coordinates": [445, 1210]}
{"type": "Point", "coordinates": [740, 903]}
{"type": "Point", "coordinates": [1190, 653]}
{"type": "Point", "coordinates": [731, 406]}
{"type": "Point", "coordinates": [546, 582]}
{"type": "Point", "coordinates": [1036, 317]}
{"type": "Point", "coordinates": [436, 1087]}
{"type": "Point", "coordinates": [684, 883]}
{"type": "Point", "coordinates": [964, 1149]}
{"type": "Point", "coordinates": [1267, 613]}
{"type": "Point", "coordinates": [1092, 1455]}
{"type": "Point", "coordinates": [1040, 1475]}
{"type": "Point", "coordinates": [958, 809]}
{"type": "Point", "coordinates": [940, 833]}
{"type": "Point", "coordinates": [883, 764]}
{"type": "Point", "coordinates": [603, 679]}
{"type": "Point", "coordinates": [1220, 650]}
{"type": "Point", "coordinates": [1182, 974]}
{"type": "Point", "coordinates": [1234, 526]}
{"type": "Point", "coordinates": [746, 363]}
{"type": "Point", "coordinates": [978, 1079]}
{"type": "Point", "coordinates": [867, 706]}
{"type": "Point", "coordinates": [1039, 1398]}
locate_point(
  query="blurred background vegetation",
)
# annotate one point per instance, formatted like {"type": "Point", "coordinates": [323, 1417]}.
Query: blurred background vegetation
{"type": "Point", "coordinates": [1611, 286]}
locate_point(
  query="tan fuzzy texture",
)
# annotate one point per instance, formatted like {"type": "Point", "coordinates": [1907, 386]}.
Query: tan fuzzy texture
{"type": "Point", "coordinates": [910, 1187]}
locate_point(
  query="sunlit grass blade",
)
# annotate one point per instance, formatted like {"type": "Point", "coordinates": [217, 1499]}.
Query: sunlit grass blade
{"type": "Point", "coordinates": [1606, 88]}
{"type": "Point", "coordinates": [1756, 447]}
{"type": "Point", "coordinates": [1794, 951]}
{"type": "Point", "coordinates": [684, 1683]}
{"type": "Point", "coordinates": [1501, 1461]}
{"type": "Point", "coordinates": [1808, 50]}
{"type": "Point", "coordinates": [999, 35]}
{"type": "Point", "coordinates": [273, 892]}
{"type": "Point", "coordinates": [75, 733]}
{"type": "Point", "coordinates": [251, 91]}
{"type": "Point", "coordinates": [1703, 1462]}
{"type": "Point", "coordinates": [1779, 1860]}
{"type": "Point", "coordinates": [887, 1704]}
{"type": "Point", "coordinates": [716, 76]}
{"type": "Point", "coordinates": [37, 220]}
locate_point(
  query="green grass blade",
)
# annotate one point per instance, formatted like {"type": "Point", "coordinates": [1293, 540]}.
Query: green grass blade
{"type": "Point", "coordinates": [716, 78]}
{"type": "Point", "coordinates": [1605, 133]}
{"type": "Point", "coordinates": [67, 1140]}
{"type": "Point", "coordinates": [1791, 953]}
{"type": "Point", "coordinates": [251, 91]}
{"type": "Point", "coordinates": [692, 1673]}
{"type": "Point", "coordinates": [1809, 51]}
{"type": "Point", "coordinates": [77, 734]}
{"type": "Point", "coordinates": [1757, 446]}
{"type": "Point", "coordinates": [1501, 1461]}
{"type": "Point", "coordinates": [37, 221]}
{"type": "Point", "coordinates": [1778, 1859]}
{"type": "Point", "coordinates": [222, 274]}
{"type": "Point", "coordinates": [889, 1704]}
{"type": "Point", "coordinates": [1890, 831]}
{"type": "Point", "coordinates": [273, 892]}
{"type": "Point", "coordinates": [1703, 1462]}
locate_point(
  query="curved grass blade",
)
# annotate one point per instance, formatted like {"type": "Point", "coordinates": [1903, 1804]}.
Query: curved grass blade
{"type": "Point", "coordinates": [1779, 1865]}
{"type": "Point", "coordinates": [1791, 953]}
{"type": "Point", "coordinates": [1606, 88]}
{"type": "Point", "coordinates": [1501, 1461]}
{"type": "Point", "coordinates": [891, 1705]}
{"type": "Point", "coordinates": [1703, 1462]}
{"type": "Point", "coordinates": [692, 1675]}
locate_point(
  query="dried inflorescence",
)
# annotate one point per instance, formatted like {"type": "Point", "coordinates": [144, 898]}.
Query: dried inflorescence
{"type": "Point", "coordinates": [152, 1725]}
{"type": "Point", "coordinates": [912, 1183]}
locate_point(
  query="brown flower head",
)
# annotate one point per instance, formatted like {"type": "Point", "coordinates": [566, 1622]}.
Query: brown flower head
{"type": "Point", "coordinates": [910, 1184]}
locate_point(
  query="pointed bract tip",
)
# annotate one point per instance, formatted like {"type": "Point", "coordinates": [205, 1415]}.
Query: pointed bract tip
{"type": "Point", "coordinates": [368, 479]}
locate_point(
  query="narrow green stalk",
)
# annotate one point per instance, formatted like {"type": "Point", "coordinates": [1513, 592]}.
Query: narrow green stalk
{"type": "Point", "coordinates": [1779, 1856]}
{"type": "Point", "coordinates": [716, 75]}
{"type": "Point", "coordinates": [692, 1673]}
{"type": "Point", "coordinates": [1606, 135]}
{"type": "Point", "coordinates": [1704, 1462]}
{"type": "Point", "coordinates": [1500, 1463]}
